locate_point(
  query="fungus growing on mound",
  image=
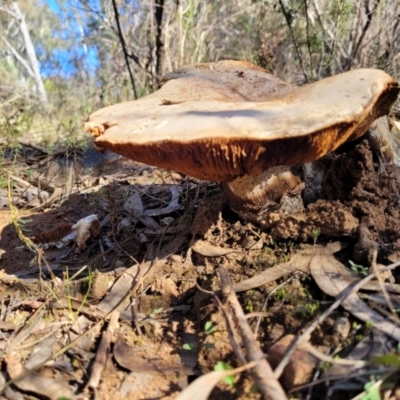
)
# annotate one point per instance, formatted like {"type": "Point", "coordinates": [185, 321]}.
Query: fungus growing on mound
{"type": "Point", "coordinates": [235, 123]}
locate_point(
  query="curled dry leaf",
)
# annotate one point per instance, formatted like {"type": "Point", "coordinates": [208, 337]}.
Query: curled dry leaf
{"type": "Point", "coordinates": [301, 262]}
{"type": "Point", "coordinates": [134, 204]}
{"type": "Point", "coordinates": [84, 228]}
{"type": "Point", "coordinates": [374, 344]}
{"type": "Point", "coordinates": [35, 382]}
{"type": "Point", "coordinates": [173, 205]}
{"type": "Point", "coordinates": [208, 250]}
{"type": "Point", "coordinates": [63, 234]}
{"type": "Point", "coordinates": [128, 358]}
{"type": "Point", "coordinates": [333, 278]}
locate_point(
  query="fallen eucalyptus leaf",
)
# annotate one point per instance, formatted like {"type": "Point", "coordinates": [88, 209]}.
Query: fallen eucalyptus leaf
{"type": "Point", "coordinates": [208, 250]}
{"type": "Point", "coordinates": [299, 262]}
{"type": "Point", "coordinates": [129, 359]}
{"type": "Point", "coordinates": [328, 274]}
{"type": "Point", "coordinates": [133, 204]}
{"type": "Point", "coordinates": [34, 382]}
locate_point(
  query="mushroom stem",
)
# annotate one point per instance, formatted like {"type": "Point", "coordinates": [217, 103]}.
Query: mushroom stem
{"type": "Point", "coordinates": [275, 189]}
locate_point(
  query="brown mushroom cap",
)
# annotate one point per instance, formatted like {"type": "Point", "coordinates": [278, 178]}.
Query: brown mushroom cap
{"type": "Point", "coordinates": [223, 120]}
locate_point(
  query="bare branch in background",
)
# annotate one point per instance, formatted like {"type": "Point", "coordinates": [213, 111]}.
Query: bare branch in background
{"type": "Point", "coordinates": [288, 19]}
{"type": "Point", "coordinates": [296, 40]}
{"type": "Point", "coordinates": [122, 41]}
{"type": "Point", "coordinates": [19, 57]}
{"type": "Point", "coordinates": [33, 68]}
{"type": "Point", "coordinates": [369, 14]}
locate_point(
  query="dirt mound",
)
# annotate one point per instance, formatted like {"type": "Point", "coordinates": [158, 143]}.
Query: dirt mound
{"type": "Point", "coordinates": [356, 188]}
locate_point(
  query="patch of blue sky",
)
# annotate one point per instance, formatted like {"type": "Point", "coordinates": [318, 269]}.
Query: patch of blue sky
{"type": "Point", "coordinates": [66, 62]}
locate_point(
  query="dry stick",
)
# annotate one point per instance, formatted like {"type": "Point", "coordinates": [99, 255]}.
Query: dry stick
{"type": "Point", "coordinates": [352, 288]}
{"type": "Point", "coordinates": [41, 258]}
{"type": "Point", "coordinates": [389, 302]}
{"type": "Point", "coordinates": [101, 356]}
{"type": "Point", "coordinates": [233, 337]}
{"type": "Point", "coordinates": [262, 373]}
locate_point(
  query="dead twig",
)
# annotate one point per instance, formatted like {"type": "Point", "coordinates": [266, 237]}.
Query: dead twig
{"type": "Point", "coordinates": [102, 351]}
{"type": "Point", "coordinates": [262, 372]}
{"type": "Point", "coordinates": [233, 337]}
{"type": "Point", "coordinates": [385, 293]}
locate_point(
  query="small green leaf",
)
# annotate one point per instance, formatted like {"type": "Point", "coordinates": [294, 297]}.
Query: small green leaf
{"type": "Point", "coordinates": [254, 389]}
{"type": "Point", "coordinates": [388, 359]}
{"type": "Point", "coordinates": [222, 366]}
{"type": "Point", "coordinates": [373, 392]}
{"type": "Point", "coordinates": [189, 346]}
{"type": "Point", "coordinates": [209, 328]}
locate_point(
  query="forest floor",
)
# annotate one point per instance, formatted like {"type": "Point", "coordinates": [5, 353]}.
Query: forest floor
{"type": "Point", "coordinates": [135, 305]}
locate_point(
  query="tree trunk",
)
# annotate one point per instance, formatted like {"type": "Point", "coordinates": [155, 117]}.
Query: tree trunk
{"type": "Point", "coordinates": [158, 14]}
{"type": "Point", "coordinates": [30, 52]}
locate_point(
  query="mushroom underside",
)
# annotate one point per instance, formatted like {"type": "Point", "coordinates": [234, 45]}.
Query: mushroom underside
{"type": "Point", "coordinates": [213, 123]}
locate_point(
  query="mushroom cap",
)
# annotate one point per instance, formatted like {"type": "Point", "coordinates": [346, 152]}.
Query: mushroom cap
{"type": "Point", "coordinates": [220, 121]}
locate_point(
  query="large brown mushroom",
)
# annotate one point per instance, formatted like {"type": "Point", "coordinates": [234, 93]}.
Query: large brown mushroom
{"type": "Point", "coordinates": [235, 123]}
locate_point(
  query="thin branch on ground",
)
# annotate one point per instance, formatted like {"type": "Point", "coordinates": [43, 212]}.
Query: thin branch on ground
{"type": "Point", "coordinates": [262, 373]}
{"type": "Point", "coordinates": [102, 352]}
{"type": "Point", "coordinates": [385, 293]}
{"type": "Point", "coordinates": [233, 337]}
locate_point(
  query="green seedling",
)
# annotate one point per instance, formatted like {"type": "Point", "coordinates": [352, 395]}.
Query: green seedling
{"type": "Point", "coordinates": [250, 306]}
{"type": "Point", "coordinates": [372, 391]}
{"type": "Point", "coordinates": [369, 324]}
{"type": "Point", "coordinates": [189, 346]}
{"type": "Point", "coordinates": [222, 366]}
{"type": "Point", "coordinates": [68, 286]}
{"type": "Point", "coordinates": [280, 294]}
{"type": "Point", "coordinates": [284, 259]}
{"type": "Point", "coordinates": [360, 269]}
{"type": "Point", "coordinates": [209, 328]}
{"type": "Point", "coordinates": [315, 234]}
